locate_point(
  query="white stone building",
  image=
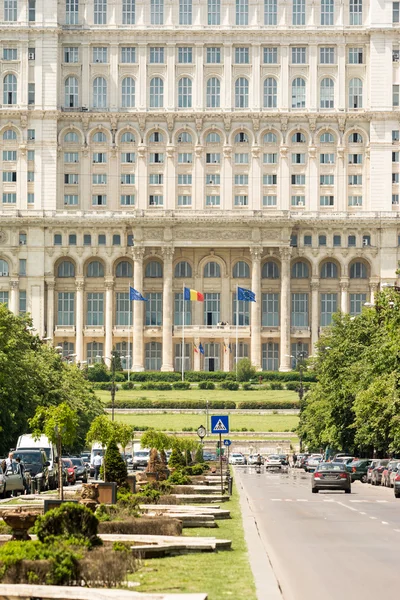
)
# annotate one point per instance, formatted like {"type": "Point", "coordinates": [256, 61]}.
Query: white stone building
{"type": "Point", "coordinates": [211, 143]}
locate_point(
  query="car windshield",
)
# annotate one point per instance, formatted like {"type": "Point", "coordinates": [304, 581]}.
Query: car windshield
{"type": "Point", "coordinates": [76, 461]}
{"type": "Point", "coordinates": [237, 455]}
{"type": "Point", "coordinates": [32, 458]}
{"type": "Point", "coordinates": [331, 467]}
{"type": "Point", "coordinates": [67, 462]}
{"type": "Point", "coordinates": [142, 454]}
{"type": "Point", "coordinates": [273, 457]}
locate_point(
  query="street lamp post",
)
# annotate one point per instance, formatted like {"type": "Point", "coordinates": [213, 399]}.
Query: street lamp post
{"type": "Point", "coordinates": [113, 389]}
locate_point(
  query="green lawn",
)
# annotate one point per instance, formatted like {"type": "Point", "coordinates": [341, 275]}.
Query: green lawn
{"type": "Point", "coordinates": [224, 574]}
{"type": "Point", "coordinates": [196, 394]}
{"type": "Point", "coordinates": [176, 421]}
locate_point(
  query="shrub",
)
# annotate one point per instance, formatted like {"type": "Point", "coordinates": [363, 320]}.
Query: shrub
{"type": "Point", "coordinates": [198, 457]}
{"type": "Point", "coordinates": [180, 404]}
{"type": "Point", "coordinates": [178, 478]}
{"type": "Point", "coordinates": [119, 377]}
{"type": "Point", "coordinates": [206, 385]}
{"type": "Point", "coordinates": [233, 386]}
{"type": "Point", "coordinates": [245, 370]}
{"type": "Point", "coordinates": [293, 386]}
{"type": "Point", "coordinates": [155, 376]}
{"type": "Point", "coordinates": [276, 385]}
{"type": "Point", "coordinates": [196, 376]}
{"type": "Point", "coordinates": [176, 460]}
{"type": "Point", "coordinates": [247, 386]}
{"type": "Point", "coordinates": [115, 467]}
{"type": "Point", "coordinates": [104, 385]}
{"type": "Point", "coordinates": [156, 385]}
{"type": "Point", "coordinates": [128, 385]}
{"type": "Point", "coordinates": [98, 372]}
{"type": "Point", "coordinates": [276, 404]}
{"type": "Point", "coordinates": [197, 469]}
{"type": "Point", "coordinates": [181, 385]}
{"type": "Point", "coordinates": [68, 520]}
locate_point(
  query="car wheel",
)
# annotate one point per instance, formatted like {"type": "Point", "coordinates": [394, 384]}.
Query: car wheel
{"type": "Point", "coordinates": [364, 479]}
{"type": "Point", "coordinates": [372, 482]}
{"type": "Point", "coordinates": [314, 490]}
{"type": "Point", "coordinates": [84, 480]}
{"type": "Point", "coordinates": [347, 491]}
{"type": "Point", "coordinates": [397, 494]}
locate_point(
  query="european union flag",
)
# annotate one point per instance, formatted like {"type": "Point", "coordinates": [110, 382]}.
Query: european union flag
{"type": "Point", "coordinates": [201, 349]}
{"type": "Point", "coordinates": [135, 295]}
{"type": "Point", "coordinates": [246, 295]}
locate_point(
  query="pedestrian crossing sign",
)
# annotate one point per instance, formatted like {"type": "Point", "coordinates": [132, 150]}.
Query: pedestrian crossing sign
{"type": "Point", "coordinates": [220, 424]}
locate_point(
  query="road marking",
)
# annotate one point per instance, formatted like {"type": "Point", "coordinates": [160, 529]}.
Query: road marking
{"type": "Point", "coordinates": [288, 500]}
{"type": "Point", "coordinates": [398, 530]}
{"type": "Point", "coordinates": [329, 500]}
{"type": "Point", "coordinates": [276, 499]}
{"type": "Point", "coordinates": [363, 513]}
{"type": "Point", "coordinates": [358, 501]}
{"type": "Point", "coordinates": [385, 523]}
{"type": "Point", "coordinates": [382, 501]}
{"type": "Point", "coordinates": [347, 506]}
{"type": "Point", "coordinates": [374, 518]}
{"type": "Point", "coordinates": [301, 500]}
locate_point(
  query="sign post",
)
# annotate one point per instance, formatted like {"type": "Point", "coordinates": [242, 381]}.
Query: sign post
{"type": "Point", "coordinates": [220, 425]}
{"type": "Point", "coordinates": [227, 443]}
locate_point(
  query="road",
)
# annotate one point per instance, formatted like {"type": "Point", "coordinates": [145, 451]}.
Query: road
{"type": "Point", "coordinates": [330, 546]}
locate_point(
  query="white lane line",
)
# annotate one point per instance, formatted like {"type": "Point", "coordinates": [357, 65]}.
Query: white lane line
{"type": "Point", "coordinates": [347, 506]}
{"type": "Point", "coordinates": [382, 501]}
{"type": "Point", "coordinates": [301, 500]}
{"type": "Point", "coordinates": [385, 523]}
{"type": "Point", "coordinates": [373, 518]}
{"type": "Point", "coordinates": [288, 500]}
{"type": "Point", "coordinates": [276, 499]}
{"type": "Point", "coordinates": [363, 513]}
{"type": "Point", "coordinates": [329, 500]}
{"type": "Point", "coordinates": [398, 530]}
{"type": "Point", "coordinates": [357, 501]}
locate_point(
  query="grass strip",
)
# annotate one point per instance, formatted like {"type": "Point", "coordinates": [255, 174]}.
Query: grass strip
{"type": "Point", "coordinates": [196, 394]}
{"type": "Point", "coordinates": [223, 574]}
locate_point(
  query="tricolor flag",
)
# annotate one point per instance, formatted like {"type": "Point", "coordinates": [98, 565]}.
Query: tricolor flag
{"type": "Point", "coordinates": [189, 294]}
{"type": "Point", "coordinates": [195, 349]}
{"type": "Point", "coordinates": [246, 295]}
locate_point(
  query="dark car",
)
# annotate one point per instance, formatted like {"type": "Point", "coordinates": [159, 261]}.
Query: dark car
{"type": "Point", "coordinates": [358, 469]}
{"type": "Point", "coordinates": [81, 470]}
{"type": "Point", "coordinates": [376, 475]}
{"type": "Point", "coordinates": [331, 476]}
{"type": "Point", "coordinates": [69, 471]}
{"type": "Point", "coordinates": [35, 466]}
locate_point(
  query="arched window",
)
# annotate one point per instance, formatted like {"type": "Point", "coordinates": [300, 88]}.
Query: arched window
{"type": "Point", "coordinates": [358, 271]}
{"type": "Point", "coordinates": [99, 93]}
{"type": "Point", "coordinates": [241, 270]}
{"type": "Point", "coordinates": [3, 268]}
{"type": "Point", "coordinates": [10, 89]}
{"type": "Point", "coordinates": [270, 270]}
{"type": "Point", "coordinates": [298, 93]}
{"type": "Point", "coordinates": [270, 138]}
{"type": "Point", "coordinates": [154, 269]}
{"type": "Point", "coordinates": [241, 138]}
{"type": "Point", "coordinates": [212, 269]}
{"type": "Point", "coordinates": [71, 137]}
{"type": "Point", "coordinates": [156, 93]}
{"type": "Point", "coordinates": [128, 92]}
{"type": "Point", "coordinates": [327, 93]}
{"type": "Point", "coordinates": [298, 138]}
{"type": "Point", "coordinates": [270, 93]}
{"type": "Point", "coordinates": [355, 93]}
{"type": "Point", "coordinates": [185, 92]}
{"type": "Point", "coordinates": [300, 270]}
{"type": "Point", "coordinates": [329, 271]}
{"type": "Point", "coordinates": [127, 137]}
{"type": "Point", "coordinates": [156, 137]}
{"type": "Point", "coordinates": [213, 93]}
{"type": "Point", "coordinates": [124, 269]}
{"type": "Point", "coordinates": [9, 134]}
{"type": "Point", "coordinates": [326, 138]}
{"type": "Point", "coordinates": [66, 269]}
{"type": "Point", "coordinates": [99, 137]}
{"type": "Point", "coordinates": [95, 269]}
{"type": "Point", "coordinates": [71, 92]}
{"type": "Point", "coordinates": [183, 269]}
{"type": "Point", "coordinates": [213, 138]}
{"type": "Point", "coordinates": [184, 138]}
{"type": "Point", "coordinates": [355, 138]}
{"type": "Point", "coordinates": [241, 93]}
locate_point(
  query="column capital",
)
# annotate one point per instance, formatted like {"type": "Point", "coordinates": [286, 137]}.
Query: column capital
{"type": "Point", "coordinates": [80, 284]}
{"type": "Point", "coordinates": [314, 284]}
{"type": "Point", "coordinates": [14, 284]}
{"type": "Point", "coordinates": [168, 253]}
{"type": "Point", "coordinates": [138, 253]}
{"type": "Point", "coordinates": [50, 282]}
{"type": "Point", "coordinates": [344, 283]}
{"type": "Point", "coordinates": [285, 253]}
{"type": "Point", "coordinates": [109, 283]}
{"type": "Point", "coordinates": [374, 286]}
{"type": "Point", "coordinates": [256, 253]}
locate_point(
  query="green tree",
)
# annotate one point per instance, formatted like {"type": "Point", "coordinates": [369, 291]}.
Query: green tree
{"type": "Point", "coordinates": [98, 372]}
{"type": "Point", "coordinates": [176, 460]}
{"type": "Point", "coordinates": [114, 465]}
{"type": "Point", "coordinates": [245, 370]}
{"type": "Point", "coordinates": [199, 458]}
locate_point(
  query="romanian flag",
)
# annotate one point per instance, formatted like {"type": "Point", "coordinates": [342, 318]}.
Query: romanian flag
{"type": "Point", "coordinates": [192, 295]}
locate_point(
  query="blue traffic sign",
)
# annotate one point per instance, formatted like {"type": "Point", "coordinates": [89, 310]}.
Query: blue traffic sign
{"type": "Point", "coordinates": [220, 424]}
{"type": "Point", "coordinates": [227, 442]}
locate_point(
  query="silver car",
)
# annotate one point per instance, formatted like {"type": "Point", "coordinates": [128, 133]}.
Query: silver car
{"type": "Point", "coordinates": [236, 458]}
{"type": "Point", "coordinates": [13, 480]}
{"type": "Point", "coordinates": [273, 461]}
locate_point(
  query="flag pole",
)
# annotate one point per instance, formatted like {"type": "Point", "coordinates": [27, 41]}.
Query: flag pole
{"type": "Point", "coordinates": [129, 335]}
{"type": "Point", "coordinates": [237, 327]}
{"type": "Point", "coordinates": [183, 332]}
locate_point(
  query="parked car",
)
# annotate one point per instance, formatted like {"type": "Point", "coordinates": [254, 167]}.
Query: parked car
{"type": "Point", "coordinates": [2, 484]}
{"type": "Point", "coordinates": [301, 459]}
{"type": "Point", "coordinates": [81, 470]}
{"type": "Point", "coordinates": [396, 486]}
{"type": "Point", "coordinates": [252, 460]}
{"type": "Point", "coordinates": [376, 475]}
{"type": "Point", "coordinates": [392, 465]}
{"type": "Point", "coordinates": [209, 456]}
{"type": "Point", "coordinates": [273, 461]}
{"type": "Point", "coordinates": [35, 466]}
{"type": "Point", "coordinates": [393, 475]}
{"type": "Point", "coordinates": [371, 468]}
{"type": "Point", "coordinates": [28, 442]}
{"type": "Point", "coordinates": [141, 459]}
{"type": "Point", "coordinates": [69, 471]}
{"type": "Point", "coordinates": [284, 460]}
{"type": "Point", "coordinates": [13, 480]}
{"type": "Point", "coordinates": [128, 460]}
{"type": "Point", "coordinates": [358, 469]}
{"type": "Point", "coordinates": [312, 463]}
{"type": "Point", "coordinates": [237, 458]}
{"type": "Point", "coordinates": [331, 476]}
{"type": "Point", "coordinates": [344, 458]}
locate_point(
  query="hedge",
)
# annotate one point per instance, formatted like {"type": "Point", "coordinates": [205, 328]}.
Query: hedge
{"type": "Point", "coordinates": [275, 404]}
{"type": "Point", "coordinates": [156, 385]}
{"type": "Point", "coordinates": [155, 376]}
{"type": "Point", "coordinates": [201, 404]}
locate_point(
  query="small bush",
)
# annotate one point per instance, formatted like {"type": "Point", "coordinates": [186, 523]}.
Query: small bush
{"type": "Point", "coordinates": [156, 385]}
{"type": "Point", "coordinates": [119, 377]}
{"type": "Point", "coordinates": [233, 386]}
{"type": "Point", "coordinates": [115, 467]}
{"type": "Point", "coordinates": [196, 376]}
{"type": "Point", "coordinates": [181, 385]}
{"type": "Point", "coordinates": [98, 372]}
{"type": "Point", "coordinates": [247, 386]}
{"type": "Point", "coordinates": [245, 370]}
{"type": "Point", "coordinates": [198, 457]}
{"type": "Point", "coordinates": [276, 385]}
{"type": "Point", "coordinates": [68, 520]}
{"type": "Point", "coordinates": [206, 385]}
{"type": "Point", "coordinates": [155, 376]}
{"type": "Point", "coordinates": [178, 478]}
{"type": "Point", "coordinates": [128, 385]}
{"type": "Point", "coordinates": [176, 460]}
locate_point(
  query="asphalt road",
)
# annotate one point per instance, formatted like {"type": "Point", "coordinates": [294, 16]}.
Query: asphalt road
{"type": "Point", "coordinates": [326, 546]}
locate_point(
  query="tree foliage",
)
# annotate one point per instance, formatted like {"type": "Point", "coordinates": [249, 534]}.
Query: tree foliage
{"type": "Point", "coordinates": [245, 370]}
{"type": "Point", "coordinates": [114, 465]}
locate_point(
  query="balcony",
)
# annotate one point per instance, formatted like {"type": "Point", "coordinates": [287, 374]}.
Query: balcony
{"type": "Point", "coordinates": [299, 331]}
{"type": "Point", "coordinates": [64, 330]}
{"type": "Point", "coordinates": [93, 331]}
{"type": "Point", "coordinates": [212, 331]}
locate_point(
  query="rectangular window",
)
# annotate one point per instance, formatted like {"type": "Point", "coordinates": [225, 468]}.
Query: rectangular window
{"type": "Point", "coordinates": [10, 54]}
{"type": "Point", "coordinates": [99, 157]}
{"type": "Point", "coordinates": [357, 302]}
{"type": "Point", "coordinates": [270, 12]}
{"type": "Point", "coordinates": [270, 310]}
{"type": "Point", "coordinates": [70, 200]}
{"type": "Point", "coordinates": [31, 53]}
{"type": "Point", "coordinates": [271, 55]}
{"type": "Point", "coordinates": [298, 200]}
{"type": "Point", "coordinates": [355, 200]}
{"type": "Point", "coordinates": [128, 12]}
{"type": "Point", "coordinates": [270, 179]}
{"type": "Point", "coordinates": [299, 55]}
{"type": "Point", "coordinates": [127, 199]}
{"type": "Point", "coordinates": [184, 200]}
{"type": "Point", "coordinates": [123, 313]}
{"type": "Point", "coordinates": [22, 266]}
{"type": "Point", "coordinates": [337, 241]}
{"type": "Point", "coordinates": [72, 178]}
{"type": "Point", "coordinates": [10, 10]}
{"type": "Point", "coordinates": [9, 155]}
{"type": "Point", "coordinates": [395, 135]}
{"type": "Point", "coordinates": [128, 54]}
{"type": "Point", "coordinates": [396, 12]}
{"type": "Point", "coordinates": [156, 200]}
{"type": "Point", "coordinates": [241, 200]}
{"type": "Point", "coordinates": [180, 311]}
{"type": "Point", "coordinates": [94, 352]}
{"type": "Point", "coordinates": [299, 12]}
{"type": "Point", "coordinates": [100, 12]}
{"type": "Point", "coordinates": [127, 157]}
{"type": "Point", "coordinates": [298, 159]}
{"type": "Point", "coordinates": [9, 198]}
{"type": "Point", "coordinates": [355, 179]}
{"type": "Point", "coordinates": [71, 12]}
{"type": "Point", "coordinates": [31, 198]}
{"type": "Point", "coordinates": [157, 12]}
{"type": "Point", "coordinates": [213, 158]}
{"type": "Point", "coordinates": [356, 56]}
{"type": "Point", "coordinates": [178, 357]}
{"type": "Point", "coordinates": [99, 200]}
{"type": "Point", "coordinates": [395, 177]}
{"type": "Point", "coordinates": [213, 55]}
{"type": "Point", "coordinates": [395, 157]}
{"type": "Point", "coordinates": [214, 12]}
{"type": "Point", "coordinates": [211, 309]}
{"type": "Point", "coordinates": [99, 179]}
{"type": "Point", "coordinates": [213, 201]}
{"type": "Point", "coordinates": [66, 308]}
{"type": "Point", "coordinates": [4, 298]}
{"type": "Point", "coordinates": [213, 179]}
{"type": "Point", "coordinates": [156, 179]}
{"type": "Point", "coordinates": [241, 158]}
{"type": "Point", "coordinates": [154, 309]}
{"type": "Point", "coordinates": [22, 302]}
{"type": "Point", "coordinates": [269, 200]}
{"type": "Point", "coordinates": [185, 12]}
{"type": "Point", "coordinates": [71, 157]}
{"type": "Point", "coordinates": [395, 94]}
{"type": "Point", "coordinates": [31, 11]}
{"type": "Point", "coordinates": [299, 317]}
{"type": "Point", "coordinates": [9, 176]}
{"type": "Point", "coordinates": [327, 159]}
{"type": "Point", "coordinates": [185, 158]}
{"type": "Point", "coordinates": [100, 54]}
{"type": "Point", "coordinates": [157, 55]}
{"type": "Point", "coordinates": [127, 178]}
{"type": "Point", "coordinates": [242, 180]}
{"type": "Point", "coordinates": [270, 158]}
{"type": "Point", "coordinates": [327, 12]}
{"type": "Point", "coordinates": [95, 309]}
{"type": "Point", "coordinates": [308, 240]}
{"type": "Point", "coordinates": [326, 200]}
{"type": "Point", "coordinates": [395, 199]}
{"type": "Point", "coordinates": [185, 55]}
{"type": "Point", "coordinates": [351, 241]}
{"type": "Point", "coordinates": [299, 179]}
{"type": "Point", "coordinates": [355, 7]}
{"type": "Point", "coordinates": [156, 158]}
{"type": "Point", "coordinates": [240, 312]}
{"type": "Point", "coordinates": [31, 93]}
{"type": "Point", "coordinates": [185, 179]}
{"type": "Point", "coordinates": [327, 56]}
{"type": "Point", "coordinates": [242, 12]}
{"type": "Point", "coordinates": [242, 55]}
{"type": "Point", "coordinates": [71, 54]}
{"type": "Point", "coordinates": [326, 179]}
{"type": "Point", "coordinates": [31, 135]}
{"type": "Point", "coordinates": [270, 356]}
{"type": "Point", "coordinates": [101, 239]}
{"type": "Point", "coordinates": [328, 308]}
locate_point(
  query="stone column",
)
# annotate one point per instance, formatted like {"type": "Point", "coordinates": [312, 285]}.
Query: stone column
{"type": "Point", "coordinates": [227, 179]}
{"type": "Point", "coordinates": [80, 286]}
{"type": "Point", "coordinates": [167, 354]}
{"type": "Point", "coordinates": [284, 179]}
{"type": "Point", "coordinates": [285, 364]}
{"type": "Point", "coordinates": [196, 358]}
{"type": "Point", "coordinates": [344, 294]}
{"type": "Point", "coordinates": [373, 288]}
{"type": "Point", "coordinates": [138, 308]}
{"type": "Point", "coordinates": [14, 285]}
{"type": "Point", "coordinates": [255, 178]}
{"type": "Point", "coordinates": [109, 285]}
{"type": "Point", "coordinates": [255, 323]}
{"type": "Point", "coordinates": [314, 313]}
{"type": "Point", "coordinates": [170, 200]}
{"type": "Point", "coordinates": [50, 307]}
{"type": "Point", "coordinates": [226, 352]}
{"type": "Point", "coordinates": [141, 177]}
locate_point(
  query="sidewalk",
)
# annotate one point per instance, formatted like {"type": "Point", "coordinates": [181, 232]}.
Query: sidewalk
{"type": "Point", "coordinates": [266, 583]}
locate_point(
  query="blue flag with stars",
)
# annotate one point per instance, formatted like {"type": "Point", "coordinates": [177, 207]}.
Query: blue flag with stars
{"type": "Point", "coordinates": [246, 295]}
{"type": "Point", "coordinates": [201, 348]}
{"type": "Point", "coordinates": [135, 295]}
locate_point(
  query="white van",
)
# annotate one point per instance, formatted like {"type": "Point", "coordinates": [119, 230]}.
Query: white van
{"type": "Point", "coordinates": [27, 442]}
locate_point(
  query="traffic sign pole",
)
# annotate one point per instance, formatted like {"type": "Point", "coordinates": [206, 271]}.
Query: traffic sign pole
{"type": "Point", "coordinates": [220, 462]}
